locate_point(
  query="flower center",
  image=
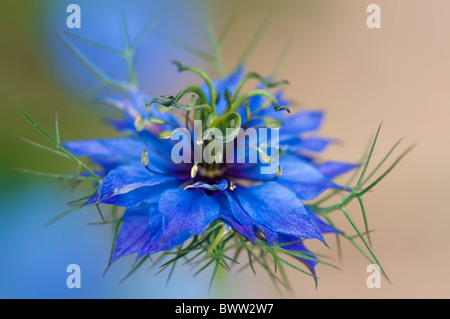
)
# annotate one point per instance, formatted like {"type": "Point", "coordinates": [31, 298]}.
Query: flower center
{"type": "Point", "coordinates": [212, 171]}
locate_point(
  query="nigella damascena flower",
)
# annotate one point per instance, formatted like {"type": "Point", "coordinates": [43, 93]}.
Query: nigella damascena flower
{"type": "Point", "coordinates": [214, 172]}
{"type": "Point", "coordinates": [169, 201]}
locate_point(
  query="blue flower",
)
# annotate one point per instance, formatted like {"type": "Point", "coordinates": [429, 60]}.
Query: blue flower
{"type": "Point", "coordinates": [168, 203]}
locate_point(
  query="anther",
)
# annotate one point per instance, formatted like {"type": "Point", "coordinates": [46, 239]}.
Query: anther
{"type": "Point", "coordinates": [144, 158]}
{"type": "Point", "coordinates": [155, 120]}
{"type": "Point", "coordinates": [164, 135]}
{"type": "Point", "coordinates": [139, 123]}
{"type": "Point", "coordinates": [145, 161]}
{"type": "Point", "coordinates": [279, 171]}
{"type": "Point", "coordinates": [194, 171]}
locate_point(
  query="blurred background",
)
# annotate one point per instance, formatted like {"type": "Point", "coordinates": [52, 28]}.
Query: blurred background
{"type": "Point", "coordinates": [398, 75]}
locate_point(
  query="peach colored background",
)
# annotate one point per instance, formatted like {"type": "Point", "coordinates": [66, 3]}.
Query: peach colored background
{"type": "Point", "coordinates": [399, 74]}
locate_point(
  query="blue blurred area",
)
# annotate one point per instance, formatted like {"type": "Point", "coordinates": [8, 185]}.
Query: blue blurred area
{"type": "Point", "coordinates": [34, 257]}
{"type": "Point", "coordinates": [100, 22]}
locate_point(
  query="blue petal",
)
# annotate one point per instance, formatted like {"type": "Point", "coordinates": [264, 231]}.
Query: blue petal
{"type": "Point", "coordinates": [134, 233]}
{"type": "Point", "coordinates": [312, 144]}
{"type": "Point", "coordinates": [181, 214]}
{"type": "Point", "coordinates": [133, 108]}
{"type": "Point", "coordinates": [108, 153]}
{"type": "Point", "coordinates": [324, 227]}
{"type": "Point", "coordinates": [129, 185]}
{"type": "Point", "coordinates": [299, 247]}
{"type": "Point", "coordinates": [113, 152]}
{"type": "Point", "coordinates": [222, 185]}
{"type": "Point", "coordinates": [304, 178]}
{"type": "Point", "coordinates": [309, 192]}
{"type": "Point", "coordinates": [278, 209]}
{"type": "Point", "coordinates": [244, 219]}
{"type": "Point", "coordinates": [160, 147]}
{"type": "Point", "coordinates": [226, 213]}
{"type": "Point", "coordinates": [299, 175]}
{"type": "Point", "coordinates": [332, 169]}
{"type": "Point", "coordinates": [303, 121]}
{"type": "Point", "coordinates": [298, 170]}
